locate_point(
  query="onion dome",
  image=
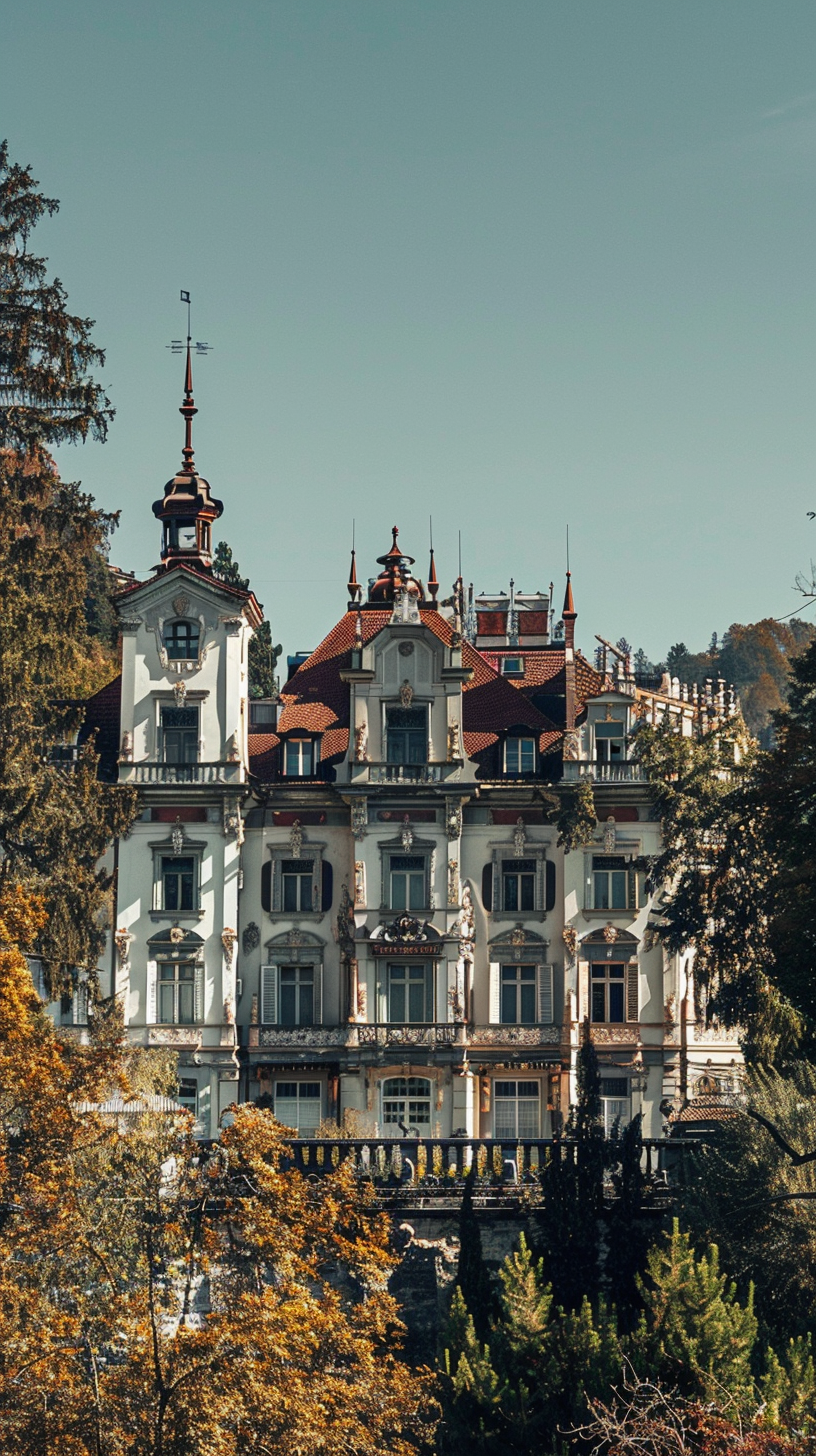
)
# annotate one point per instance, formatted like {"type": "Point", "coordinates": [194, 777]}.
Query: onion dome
{"type": "Point", "coordinates": [395, 576]}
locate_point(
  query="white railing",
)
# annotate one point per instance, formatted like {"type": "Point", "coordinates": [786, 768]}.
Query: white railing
{"type": "Point", "coordinates": [181, 773]}
{"type": "Point", "coordinates": [605, 773]}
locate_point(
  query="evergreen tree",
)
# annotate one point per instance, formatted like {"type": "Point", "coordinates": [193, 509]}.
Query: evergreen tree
{"type": "Point", "coordinates": [695, 1334]}
{"type": "Point", "coordinates": [472, 1277]}
{"type": "Point", "coordinates": [263, 657]}
{"type": "Point", "coordinates": [572, 1185]}
{"type": "Point", "coordinates": [226, 568]}
{"type": "Point", "coordinates": [629, 1232]}
{"type": "Point", "coordinates": [47, 394]}
{"type": "Point", "coordinates": [55, 820]}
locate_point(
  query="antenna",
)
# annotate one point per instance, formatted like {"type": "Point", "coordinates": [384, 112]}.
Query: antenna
{"type": "Point", "coordinates": [460, 553]}
{"type": "Point", "coordinates": [177, 346]}
{"type": "Point", "coordinates": [567, 547]}
{"type": "Point", "coordinates": [430, 529]}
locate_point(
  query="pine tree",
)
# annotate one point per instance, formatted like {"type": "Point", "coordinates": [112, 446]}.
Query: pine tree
{"type": "Point", "coordinates": [572, 1185]}
{"type": "Point", "coordinates": [55, 820]}
{"type": "Point", "coordinates": [263, 657]}
{"type": "Point", "coordinates": [695, 1334]}
{"type": "Point", "coordinates": [629, 1233]}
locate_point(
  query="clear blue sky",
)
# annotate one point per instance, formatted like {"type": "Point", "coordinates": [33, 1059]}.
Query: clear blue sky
{"type": "Point", "coordinates": [517, 264]}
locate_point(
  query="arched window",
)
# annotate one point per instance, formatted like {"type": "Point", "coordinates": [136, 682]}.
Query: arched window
{"type": "Point", "coordinates": [181, 640]}
{"type": "Point", "coordinates": [406, 1104]}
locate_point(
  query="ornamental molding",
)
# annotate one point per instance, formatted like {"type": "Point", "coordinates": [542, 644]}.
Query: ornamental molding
{"type": "Point", "coordinates": [359, 818]}
{"type": "Point", "coordinates": [174, 1036]}
{"type": "Point", "coordinates": [615, 1035]}
{"type": "Point", "coordinates": [305, 1036]}
{"type": "Point", "coordinates": [229, 940]}
{"type": "Point", "coordinates": [251, 938]}
{"type": "Point", "coordinates": [528, 1036]}
{"type": "Point", "coordinates": [453, 818]}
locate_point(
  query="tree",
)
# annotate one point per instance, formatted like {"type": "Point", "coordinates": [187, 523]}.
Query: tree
{"type": "Point", "coordinates": [572, 1187]}
{"type": "Point", "coordinates": [167, 1301]}
{"type": "Point", "coordinates": [471, 1275]}
{"type": "Point", "coordinates": [695, 1335]}
{"type": "Point", "coordinates": [263, 657]}
{"type": "Point", "coordinates": [629, 1228]}
{"type": "Point", "coordinates": [47, 394]}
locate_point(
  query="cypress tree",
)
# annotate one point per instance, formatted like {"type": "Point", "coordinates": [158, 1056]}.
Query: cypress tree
{"type": "Point", "coordinates": [572, 1184]}
{"type": "Point", "coordinates": [472, 1277]}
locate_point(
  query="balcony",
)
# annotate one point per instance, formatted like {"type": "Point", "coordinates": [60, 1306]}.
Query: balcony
{"type": "Point", "coordinates": [405, 773]}
{"type": "Point", "coordinates": [389, 1035]}
{"type": "Point", "coordinates": [181, 773]}
{"type": "Point", "coordinates": [605, 773]}
{"type": "Point", "coordinates": [431, 1035]}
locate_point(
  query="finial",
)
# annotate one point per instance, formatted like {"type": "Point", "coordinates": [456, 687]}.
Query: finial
{"type": "Point", "coordinates": [433, 581]}
{"type": "Point", "coordinates": [353, 584]}
{"type": "Point", "coordinates": [569, 605]}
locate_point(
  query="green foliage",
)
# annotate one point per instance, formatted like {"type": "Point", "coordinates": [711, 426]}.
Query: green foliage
{"type": "Point", "coordinates": [629, 1231]}
{"type": "Point", "coordinates": [47, 394]}
{"type": "Point", "coordinates": [788, 1387]}
{"type": "Point", "coordinates": [263, 657]}
{"type": "Point", "coordinates": [576, 820]}
{"type": "Point", "coordinates": [472, 1276]}
{"type": "Point", "coordinates": [572, 1185]}
{"type": "Point", "coordinates": [226, 568]}
{"type": "Point", "coordinates": [744, 1192]}
{"type": "Point", "coordinates": [695, 1335]}
{"type": "Point", "coordinates": [756, 658]}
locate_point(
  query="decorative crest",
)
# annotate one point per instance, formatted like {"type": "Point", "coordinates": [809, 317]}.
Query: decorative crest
{"type": "Point", "coordinates": [177, 836]}
{"type": "Point", "coordinates": [519, 838]}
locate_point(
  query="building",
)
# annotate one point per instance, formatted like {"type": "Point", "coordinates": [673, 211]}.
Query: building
{"type": "Point", "coordinates": [351, 899]}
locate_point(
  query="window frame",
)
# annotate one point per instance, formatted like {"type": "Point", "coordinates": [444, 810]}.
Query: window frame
{"type": "Point", "coordinates": [395, 848]}
{"type": "Point", "coordinates": [615, 1106]}
{"type": "Point", "coordinates": [415, 876]}
{"type": "Point", "coordinates": [407, 1097]}
{"type": "Point", "coordinates": [164, 849]}
{"type": "Point", "coordinates": [298, 972]}
{"type": "Point", "coordinates": [520, 976]}
{"type": "Point", "coordinates": [497, 1097]}
{"type": "Point", "coordinates": [278, 853]}
{"type": "Point", "coordinates": [187, 729]}
{"type": "Point", "coordinates": [397, 707]}
{"type": "Point", "coordinates": [300, 742]}
{"type": "Point", "coordinates": [506, 851]}
{"type": "Point", "coordinates": [406, 965]}
{"type": "Point", "coordinates": [193, 624]}
{"type": "Point", "coordinates": [177, 984]}
{"type": "Point", "coordinates": [299, 1082]}
{"type": "Point", "coordinates": [517, 740]}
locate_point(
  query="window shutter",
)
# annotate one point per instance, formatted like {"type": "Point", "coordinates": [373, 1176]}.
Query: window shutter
{"type": "Point", "coordinates": [545, 995]}
{"type": "Point", "coordinates": [199, 993]}
{"type": "Point", "coordinates": [454, 991]}
{"type": "Point", "coordinates": [150, 1003]}
{"type": "Point", "coordinates": [266, 885]}
{"type": "Point", "coordinates": [549, 902]}
{"type": "Point", "coordinates": [318, 995]}
{"type": "Point", "coordinates": [327, 887]}
{"type": "Point", "coordinates": [495, 993]}
{"type": "Point", "coordinates": [487, 887]}
{"type": "Point", "coordinates": [632, 992]}
{"type": "Point", "coordinates": [269, 995]}
{"type": "Point", "coordinates": [583, 990]}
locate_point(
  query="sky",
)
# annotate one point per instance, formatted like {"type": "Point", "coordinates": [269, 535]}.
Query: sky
{"type": "Point", "coordinates": [519, 266]}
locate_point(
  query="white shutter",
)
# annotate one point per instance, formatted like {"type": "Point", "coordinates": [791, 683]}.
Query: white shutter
{"type": "Point", "coordinates": [544, 975]}
{"type": "Point", "coordinates": [632, 992]}
{"type": "Point", "coordinates": [75, 1006]}
{"type": "Point", "coordinates": [454, 990]}
{"type": "Point", "coordinates": [269, 995]}
{"type": "Point", "coordinates": [199, 993]}
{"type": "Point", "coordinates": [495, 993]}
{"type": "Point", "coordinates": [583, 990]}
{"type": "Point", "coordinates": [318, 995]}
{"type": "Point", "coordinates": [150, 1001]}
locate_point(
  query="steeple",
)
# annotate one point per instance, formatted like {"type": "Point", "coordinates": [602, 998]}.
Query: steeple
{"type": "Point", "coordinates": [569, 614]}
{"type": "Point", "coordinates": [187, 510]}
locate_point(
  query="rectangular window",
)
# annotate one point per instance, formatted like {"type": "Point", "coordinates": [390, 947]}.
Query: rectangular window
{"type": "Point", "coordinates": [512, 666]}
{"type": "Point", "coordinates": [406, 1102]}
{"type": "Point", "coordinates": [516, 1109]}
{"type": "Point", "coordinates": [178, 883]}
{"type": "Point", "coordinates": [297, 1105]}
{"type": "Point", "coordinates": [177, 993]}
{"type": "Point", "coordinates": [297, 885]}
{"type": "Point", "coordinates": [615, 1102]}
{"type": "Point", "coordinates": [610, 882]}
{"type": "Point", "coordinates": [179, 732]}
{"type": "Point", "coordinates": [608, 990]}
{"type": "Point", "coordinates": [406, 735]}
{"type": "Point", "coordinates": [297, 995]}
{"type": "Point", "coordinates": [610, 742]}
{"type": "Point", "coordinates": [518, 884]}
{"type": "Point", "coordinates": [187, 1096]}
{"type": "Point", "coordinates": [518, 995]}
{"type": "Point", "coordinates": [407, 882]}
{"type": "Point", "coordinates": [410, 992]}
{"type": "Point", "coordinates": [299, 758]}
{"type": "Point", "coordinates": [519, 755]}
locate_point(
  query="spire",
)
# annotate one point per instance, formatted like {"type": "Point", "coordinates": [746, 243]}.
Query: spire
{"type": "Point", "coordinates": [187, 411]}
{"type": "Point", "coordinates": [353, 583]}
{"type": "Point", "coordinates": [569, 605]}
{"type": "Point", "coordinates": [395, 576]}
{"type": "Point", "coordinates": [433, 581]}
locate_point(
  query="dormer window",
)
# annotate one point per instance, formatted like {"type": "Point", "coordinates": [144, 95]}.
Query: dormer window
{"type": "Point", "coordinates": [181, 640]}
{"type": "Point", "coordinates": [512, 666]}
{"type": "Point", "coordinates": [406, 735]}
{"type": "Point", "coordinates": [519, 756]}
{"type": "Point", "coordinates": [299, 757]}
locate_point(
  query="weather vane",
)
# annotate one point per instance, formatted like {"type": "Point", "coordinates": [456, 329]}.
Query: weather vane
{"type": "Point", "coordinates": [177, 346]}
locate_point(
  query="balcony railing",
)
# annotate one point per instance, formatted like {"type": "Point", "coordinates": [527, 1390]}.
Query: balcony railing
{"type": "Point", "coordinates": [430, 1035]}
{"type": "Point", "coordinates": [181, 773]}
{"type": "Point", "coordinates": [386, 1034]}
{"type": "Point", "coordinates": [405, 773]}
{"type": "Point", "coordinates": [605, 773]}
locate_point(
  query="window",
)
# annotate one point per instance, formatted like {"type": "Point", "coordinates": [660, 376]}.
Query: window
{"type": "Point", "coordinates": [406, 735]}
{"type": "Point", "coordinates": [518, 884]}
{"type": "Point", "coordinates": [178, 878]}
{"type": "Point", "coordinates": [181, 535]}
{"type": "Point", "coordinates": [610, 742]}
{"type": "Point", "coordinates": [407, 1101]}
{"type": "Point", "coordinates": [614, 1101]}
{"type": "Point", "coordinates": [518, 995]}
{"type": "Point", "coordinates": [608, 991]}
{"type": "Point", "coordinates": [181, 640]}
{"type": "Point", "coordinates": [179, 728]}
{"type": "Point", "coordinates": [512, 666]}
{"type": "Point", "coordinates": [610, 878]}
{"type": "Point", "coordinates": [187, 1095]}
{"type": "Point", "coordinates": [299, 759]}
{"type": "Point", "coordinates": [410, 992]}
{"type": "Point", "coordinates": [297, 1104]}
{"type": "Point", "coordinates": [297, 881]}
{"type": "Point", "coordinates": [515, 1109]}
{"type": "Point", "coordinates": [297, 995]}
{"type": "Point", "coordinates": [519, 756]}
{"type": "Point", "coordinates": [177, 992]}
{"type": "Point", "coordinates": [407, 882]}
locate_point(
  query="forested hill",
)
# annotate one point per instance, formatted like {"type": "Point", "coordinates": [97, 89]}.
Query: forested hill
{"type": "Point", "coordinates": [756, 658]}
